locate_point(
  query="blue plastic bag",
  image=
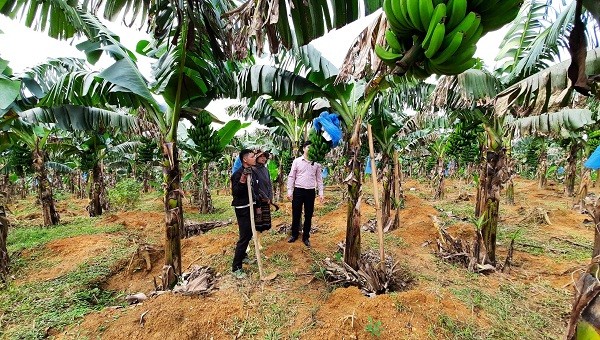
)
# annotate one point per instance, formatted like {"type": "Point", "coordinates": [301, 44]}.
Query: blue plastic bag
{"type": "Point", "coordinates": [331, 125]}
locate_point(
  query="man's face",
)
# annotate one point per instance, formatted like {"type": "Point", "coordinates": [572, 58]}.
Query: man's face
{"type": "Point", "coordinates": [250, 159]}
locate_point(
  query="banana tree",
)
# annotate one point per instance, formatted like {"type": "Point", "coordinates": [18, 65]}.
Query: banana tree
{"type": "Point", "coordinates": [567, 125]}
{"type": "Point", "coordinates": [208, 147]}
{"type": "Point", "coordinates": [190, 47]}
{"type": "Point", "coordinates": [471, 94]}
{"type": "Point", "coordinates": [35, 137]}
{"type": "Point", "coordinates": [145, 159]}
{"type": "Point", "coordinates": [268, 21]}
{"type": "Point", "coordinates": [93, 149]}
{"type": "Point", "coordinates": [394, 130]}
{"type": "Point", "coordinates": [19, 163]}
{"type": "Point", "coordinates": [349, 100]}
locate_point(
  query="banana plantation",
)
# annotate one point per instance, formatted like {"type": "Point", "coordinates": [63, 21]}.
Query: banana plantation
{"type": "Point", "coordinates": [462, 195]}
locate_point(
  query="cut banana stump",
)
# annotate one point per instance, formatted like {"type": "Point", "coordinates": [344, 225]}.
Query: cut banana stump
{"type": "Point", "coordinates": [445, 33]}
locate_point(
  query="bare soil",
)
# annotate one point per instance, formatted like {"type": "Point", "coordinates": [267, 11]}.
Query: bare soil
{"type": "Point", "coordinates": [298, 305]}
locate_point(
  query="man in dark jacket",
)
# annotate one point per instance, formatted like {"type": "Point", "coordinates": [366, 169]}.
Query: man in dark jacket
{"type": "Point", "coordinates": [241, 204]}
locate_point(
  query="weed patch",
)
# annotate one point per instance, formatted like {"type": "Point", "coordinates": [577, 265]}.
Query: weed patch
{"type": "Point", "coordinates": [35, 310]}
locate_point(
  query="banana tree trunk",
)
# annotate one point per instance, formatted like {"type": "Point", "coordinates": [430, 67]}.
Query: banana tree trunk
{"type": "Point", "coordinates": [496, 174]}
{"type": "Point", "coordinates": [352, 250]}
{"type": "Point", "coordinates": [72, 181]}
{"type": "Point", "coordinates": [597, 181]}
{"type": "Point", "coordinates": [206, 206]}
{"type": "Point", "coordinates": [510, 192]}
{"type": "Point", "coordinates": [583, 188]}
{"type": "Point", "coordinates": [173, 212]}
{"type": "Point", "coordinates": [510, 188]}
{"type": "Point", "coordinates": [571, 171]}
{"type": "Point", "coordinates": [145, 185]}
{"type": "Point", "coordinates": [398, 195]}
{"type": "Point", "coordinates": [95, 206]}
{"type": "Point", "coordinates": [542, 169]}
{"type": "Point", "coordinates": [386, 202]}
{"type": "Point", "coordinates": [195, 186]}
{"type": "Point", "coordinates": [480, 198]}
{"type": "Point", "coordinates": [4, 259]}
{"type": "Point", "coordinates": [439, 190]}
{"type": "Point", "coordinates": [49, 212]}
{"type": "Point", "coordinates": [281, 189]}
{"type": "Point", "coordinates": [6, 188]}
{"type": "Point", "coordinates": [23, 187]}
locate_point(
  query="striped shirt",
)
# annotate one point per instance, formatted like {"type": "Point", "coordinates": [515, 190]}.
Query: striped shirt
{"type": "Point", "coordinates": [306, 175]}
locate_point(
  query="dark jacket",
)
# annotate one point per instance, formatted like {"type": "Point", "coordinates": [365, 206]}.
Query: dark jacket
{"type": "Point", "coordinates": [239, 191]}
{"type": "Point", "coordinates": [264, 187]}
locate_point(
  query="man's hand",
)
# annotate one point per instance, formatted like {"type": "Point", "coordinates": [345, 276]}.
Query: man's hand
{"type": "Point", "coordinates": [247, 171]}
{"type": "Point", "coordinates": [289, 197]}
{"type": "Point", "coordinates": [321, 199]}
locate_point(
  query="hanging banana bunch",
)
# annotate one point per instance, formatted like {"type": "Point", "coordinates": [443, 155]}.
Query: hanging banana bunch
{"type": "Point", "coordinates": [319, 147]}
{"type": "Point", "coordinates": [445, 31]}
{"type": "Point", "coordinates": [148, 151]}
{"type": "Point", "coordinates": [205, 137]}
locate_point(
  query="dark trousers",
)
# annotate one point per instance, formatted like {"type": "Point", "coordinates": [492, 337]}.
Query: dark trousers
{"type": "Point", "coordinates": [306, 198]}
{"type": "Point", "coordinates": [245, 227]}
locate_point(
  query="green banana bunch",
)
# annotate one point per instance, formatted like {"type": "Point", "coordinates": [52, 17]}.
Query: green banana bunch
{"type": "Point", "coordinates": [147, 152]}
{"type": "Point", "coordinates": [451, 53]}
{"type": "Point", "coordinates": [19, 158]}
{"type": "Point", "coordinates": [203, 135]}
{"type": "Point", "coordinates": [446, 30]}
{"type": "Point", "coordinates": [319, 148]}
{"type": "Point", "coordinates": [501, 14]}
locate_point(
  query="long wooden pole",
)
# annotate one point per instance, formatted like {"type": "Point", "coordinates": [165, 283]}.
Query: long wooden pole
{"type": "Point", "coordinates": [376, 192]}
{"type": "Point", "coordinates": [253, 225]}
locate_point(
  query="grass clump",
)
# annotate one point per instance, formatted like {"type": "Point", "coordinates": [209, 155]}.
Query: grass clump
{"type": "Point", "coordinates": [33, 236]}
{"type": "Point", "coordinates": [517, 311]}
{"type": "Point", "coordinates": [35, 310]}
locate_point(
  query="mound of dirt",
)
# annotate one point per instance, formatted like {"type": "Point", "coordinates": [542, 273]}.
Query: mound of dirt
{"type": "Point", "coordinates": [147, 224]}
{"type": "Point", "coordinates": [66, 254]}
{"type": "Point", "coordinates": [167, 316]}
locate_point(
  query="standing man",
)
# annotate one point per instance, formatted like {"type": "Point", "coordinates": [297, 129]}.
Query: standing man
{"type": "Point", "coordinates": [304, 178]}
{"type": "Point", "coordinates": [241, 204]}
{"type": "Point", "coordinates": [264, 191]}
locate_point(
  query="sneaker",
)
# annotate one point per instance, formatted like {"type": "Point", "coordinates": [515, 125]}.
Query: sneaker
{"type": "Point", "coordinates": [239, 274]}
{"type": "Point", "coordinates": [248, 260]}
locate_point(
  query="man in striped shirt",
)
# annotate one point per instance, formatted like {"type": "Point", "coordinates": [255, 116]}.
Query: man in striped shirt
{"type": "Point", "coordinates": [303, 180]}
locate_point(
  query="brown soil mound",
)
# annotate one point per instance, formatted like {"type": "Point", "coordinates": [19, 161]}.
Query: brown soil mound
{"type": "Point", "coordinates": [313, 310]}
{"type": "Point", "coordinates": [147, 224]}
{"type": "Point", "coordinates": [167, 317]}
{"type": "Point", "coordinates": [345, 314]}
{"type": "Point", "coordinates": [65, 255]}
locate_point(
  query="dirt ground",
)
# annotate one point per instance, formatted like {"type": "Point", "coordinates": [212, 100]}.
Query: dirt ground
{"type": "Point", "coordinates": [298, 305]}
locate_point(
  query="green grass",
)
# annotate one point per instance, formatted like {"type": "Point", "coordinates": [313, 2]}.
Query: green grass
{"type": "Point", "coordinates": [327, 207]}
{"type": "Point", "coordinates": [390, 241]}
{"type": "Point", "coordinates": [516, 311]}
{"type": "Point", "coordinates": [223, 211]}
{"type": "Point", "coordinates": [461, 210]}
{"type": "Point", "coordinates": [34, 236]}
{"type": "Point", "coordinates": [552, 248]}
{"type": "Point", "coordinates": [150, 201]}
{"type": "Point", "coordinates": [448, 328]}
{"type": "Point", "coordinates": [30, 310]}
